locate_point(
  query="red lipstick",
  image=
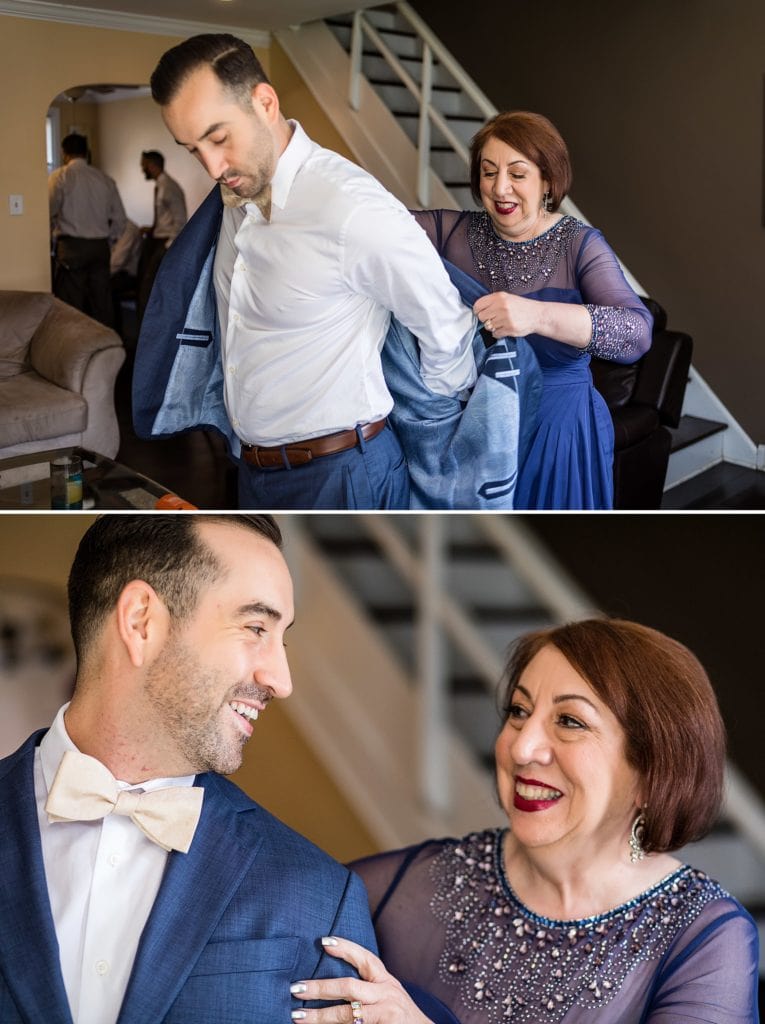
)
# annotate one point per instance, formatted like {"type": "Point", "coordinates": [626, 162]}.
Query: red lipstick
{"type": "Point", "coordinates": [524, 804]}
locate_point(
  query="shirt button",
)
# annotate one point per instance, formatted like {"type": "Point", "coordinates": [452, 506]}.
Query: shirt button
{"type": "Point", "coordinates": [235, 318]}
{"type": "Point", "coordinates": [114, 859]}
{"type": "Point", "coordinates": [102, 967]}
{"type": "Point", "coordinates": [232, 371]}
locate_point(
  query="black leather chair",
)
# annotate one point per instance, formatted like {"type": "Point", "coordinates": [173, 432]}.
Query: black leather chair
{"type": "Point", "coordinates": [645, 398]}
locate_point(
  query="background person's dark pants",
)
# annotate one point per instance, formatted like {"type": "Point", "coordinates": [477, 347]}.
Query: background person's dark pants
{"type": "Point", "coordinates": [81, 276]}
{"type": "Point", "coordinates": [151, 256]}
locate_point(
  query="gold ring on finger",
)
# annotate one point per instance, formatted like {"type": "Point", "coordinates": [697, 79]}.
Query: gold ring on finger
{"type": "Point", "coordinates": [358, 1011]}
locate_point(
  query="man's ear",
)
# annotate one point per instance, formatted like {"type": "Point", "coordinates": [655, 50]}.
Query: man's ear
{"type": "Point", "coordinates": [142, 621]}
{"type": "Point", "coordinates": [264, 98]}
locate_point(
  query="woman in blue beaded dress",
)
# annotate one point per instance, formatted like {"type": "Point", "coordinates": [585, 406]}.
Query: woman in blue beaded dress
{"type": "Point", "coordinates": [611, 755]}
{"type": "Point", "coordinates": [556, 282]}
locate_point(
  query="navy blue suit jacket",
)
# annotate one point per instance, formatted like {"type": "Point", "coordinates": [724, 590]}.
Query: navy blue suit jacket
{"type": "Point", "coordinates": [236, 920]}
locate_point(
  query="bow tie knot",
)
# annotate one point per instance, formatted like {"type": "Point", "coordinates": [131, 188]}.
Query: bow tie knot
{"type": "Point", "coordinates": [85, 790]}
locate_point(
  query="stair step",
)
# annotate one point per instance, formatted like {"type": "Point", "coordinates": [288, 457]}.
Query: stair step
{"type": "Point", "coordinates": [338, 547]}
{"type": "Point", "coordinates": [693, 429]}
{"type": "Point", "coordinates": [386, 615]}
{"type": "Point", "coordinates": [467, 118]}
{"type": "Point", "coordinates": [397, 82]}
{"type": "Point", "coordinates": [369, 52]}
{"type": "Point", "coordinates": [722, 486]}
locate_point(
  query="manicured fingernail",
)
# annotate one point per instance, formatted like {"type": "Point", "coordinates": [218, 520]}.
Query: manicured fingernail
{"type": "Point", "coordinates": [298, 1014]}
{"type": "Point", "coordinates": [328, 940]}
{"type": "Point", "coordinates": [297, 988]}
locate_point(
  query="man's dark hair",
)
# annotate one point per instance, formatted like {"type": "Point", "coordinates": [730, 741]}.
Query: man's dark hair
{"type": "Point", "coordinates": [153, 156]}
{"type": "Point", "coordinates": [165, 551]}
{"type": "Point", "coordinates": [232, 60]}
{"type": "Point", "coordinates": [74, 145]}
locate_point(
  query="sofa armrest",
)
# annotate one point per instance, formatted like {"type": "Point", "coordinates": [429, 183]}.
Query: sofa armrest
{"type": "Point", "coordinates": [664, 373]}
{"type": "Point", "coordinates": [65, 342]}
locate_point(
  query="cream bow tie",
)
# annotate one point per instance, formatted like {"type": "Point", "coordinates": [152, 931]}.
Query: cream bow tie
{"type": "Point", "coordinates": [84, 790]}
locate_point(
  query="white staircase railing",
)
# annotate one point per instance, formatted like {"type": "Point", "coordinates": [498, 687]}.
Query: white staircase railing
{"type": "Point", "coordinates": [423, 93]}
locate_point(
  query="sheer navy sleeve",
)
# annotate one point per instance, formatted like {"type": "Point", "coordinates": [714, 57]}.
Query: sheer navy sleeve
{"type": "Point", "coordinates": [621, 324]}
{"type": "Point", "coordinates": [710, 973]}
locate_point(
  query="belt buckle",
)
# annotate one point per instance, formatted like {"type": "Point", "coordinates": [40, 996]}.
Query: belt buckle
{"type": "Point", "coordinates": [297, 456]}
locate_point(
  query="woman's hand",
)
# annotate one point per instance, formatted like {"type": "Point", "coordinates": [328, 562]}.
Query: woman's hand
{"type": "Point", "coordinates": [512, 316]}
{"type": "Point", "coordinates": [381, 997]}
{"type": "Point", "coordinates": [508, 316]}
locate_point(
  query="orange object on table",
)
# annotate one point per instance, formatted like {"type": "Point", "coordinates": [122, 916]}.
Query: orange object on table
{"type": "Point", "coordinates": [173, 503]}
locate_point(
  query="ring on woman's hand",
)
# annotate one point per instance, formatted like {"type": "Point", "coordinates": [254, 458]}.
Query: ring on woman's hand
{"type": "Point", "coordinates": [488, 324]}
{"type": "Point", "coordinates": [357, 1011]}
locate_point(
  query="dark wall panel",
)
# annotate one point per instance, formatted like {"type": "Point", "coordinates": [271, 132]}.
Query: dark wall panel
{"type": "Point", "coordinates": [661, 103]}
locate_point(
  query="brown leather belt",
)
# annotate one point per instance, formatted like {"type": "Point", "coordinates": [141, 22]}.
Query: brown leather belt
{"type": "Point", "coordinates": [298, 453]}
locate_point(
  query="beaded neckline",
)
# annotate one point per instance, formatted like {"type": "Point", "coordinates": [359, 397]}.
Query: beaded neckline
{"type": "Point", "coordinates": [580, 922]}
{"type": "Point", "coordinates": [510, 965]}
{"type": "Point", "coordinates": [526, 241]}
{"type": "Point", "coordinates": [516, 266]}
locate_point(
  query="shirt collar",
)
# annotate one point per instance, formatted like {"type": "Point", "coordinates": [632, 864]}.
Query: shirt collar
{"type": "Point", "coordinates": [56, 742]}
{"type": "Point", "coordinates": [296, 153]}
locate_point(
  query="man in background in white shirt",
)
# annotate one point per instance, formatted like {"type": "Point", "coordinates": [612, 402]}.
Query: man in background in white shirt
{"type": "Point", "coordinates": [86, 215]}
{"type": "Point", "coordinates": [313, 255]}
{"type": "Point", "coordinates": [169, 219]}
{"type": "Point", "coordinates": [135, 881]}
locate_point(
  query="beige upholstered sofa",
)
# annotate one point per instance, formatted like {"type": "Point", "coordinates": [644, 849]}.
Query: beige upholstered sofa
{"type": "Point", "coordinates": [57, 373]}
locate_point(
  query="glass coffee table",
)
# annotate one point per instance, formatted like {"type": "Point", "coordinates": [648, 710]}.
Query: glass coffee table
{"type": "Point", "coordinates": [25, 482]}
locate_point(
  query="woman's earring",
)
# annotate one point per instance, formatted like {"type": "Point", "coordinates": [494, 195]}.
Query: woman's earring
{"type": "Point", "coordinates": [636, 838]}
{"type": "Point", "coordinates": [546, 202]}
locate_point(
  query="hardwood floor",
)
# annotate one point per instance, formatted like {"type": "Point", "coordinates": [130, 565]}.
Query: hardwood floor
{"type": "Point", "coordinates": [194, 465]}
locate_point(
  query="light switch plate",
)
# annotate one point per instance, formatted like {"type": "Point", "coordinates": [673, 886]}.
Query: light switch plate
{"type": "Point", "coordinates": [16, 205]}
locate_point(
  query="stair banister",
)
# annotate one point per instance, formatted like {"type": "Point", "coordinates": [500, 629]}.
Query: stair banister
{"type": "Point", "coordinates": [357, 52]}
{"type": "Point", "coordinates": [423, 129]}
{"type": "Point", "coordinates": [453, 619]}
{"type": "Point", "coordinates": [445, 59]}
{"type": "Point", "coordinates": [435, 783]}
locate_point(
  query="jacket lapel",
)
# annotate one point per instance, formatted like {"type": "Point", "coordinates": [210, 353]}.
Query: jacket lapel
{"type": "Point", "coordinates": [195, 891]}
{"type": "Point", "coordinates": [29, 955]}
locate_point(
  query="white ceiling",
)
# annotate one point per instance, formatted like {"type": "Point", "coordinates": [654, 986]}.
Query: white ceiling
{"type": "Point", "coordinates": [219, 15]}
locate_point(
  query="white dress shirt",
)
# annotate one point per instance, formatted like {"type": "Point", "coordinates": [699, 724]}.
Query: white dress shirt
{"type": "Point", "coordinates": [126, 251]}
{"type": "Point", "coordinates": [169, 208]}
{"type": "Point", "coordinates": [103, 877]}
{"type": "Point", "coordinates": [84, 202]}
{"type": "Point", "coordinates": [305, 299]}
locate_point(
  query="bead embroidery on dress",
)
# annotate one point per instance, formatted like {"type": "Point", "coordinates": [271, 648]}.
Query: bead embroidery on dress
{"type": "Point", "coordinates": [516, 966]}
{"type": "Point", "coordinates": [614, 330]}
{"type": "Point", "coordinates": [513, 266]}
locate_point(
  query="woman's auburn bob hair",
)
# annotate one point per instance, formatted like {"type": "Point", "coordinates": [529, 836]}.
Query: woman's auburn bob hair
{"type": "Point", "coordinates": [540, 142]}
{"type": "Point", "coordinates": [663, 700]}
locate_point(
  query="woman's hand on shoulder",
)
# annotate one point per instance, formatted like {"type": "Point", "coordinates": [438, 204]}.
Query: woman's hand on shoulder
{"type": "Point", "coordinates": [508, 316]}
{"type": "Point", "coordinates": [380, 997]}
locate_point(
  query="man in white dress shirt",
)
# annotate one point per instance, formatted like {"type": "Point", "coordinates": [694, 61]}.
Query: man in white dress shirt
{"type": "Point", "coordinates": [176, 897]}
{"type": "Point", "coordinates": [313, 255]}
{"type": "Point", "coordinates": [86, 215]}
{"type": "Point", "coordinates": [169, 219]}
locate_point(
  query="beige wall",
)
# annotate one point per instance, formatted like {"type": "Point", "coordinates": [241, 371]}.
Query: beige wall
{"type": "Point", "coordinates": [39, 60]}
{"type": "Point", "coordinates": [125, 129]}
{"type": "Point", "coordinates": [279, 770]}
